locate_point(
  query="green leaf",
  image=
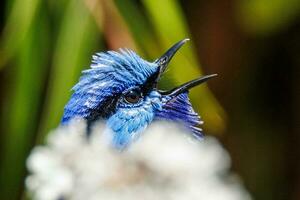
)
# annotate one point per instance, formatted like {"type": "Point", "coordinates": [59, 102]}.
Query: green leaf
{"type": "Point", "coordinates": [76, 43]}
{"type": "Point", "coordinates": [17, 28]}
{"type": "Point", "coordinates": [22, 107]}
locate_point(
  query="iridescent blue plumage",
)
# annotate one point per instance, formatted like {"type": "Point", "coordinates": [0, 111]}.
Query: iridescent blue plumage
{"type": "Point", "coordinates": [111, 73]}
{"type": "Point", "coordinates": [180, 110]}
{"type": "Point", "coordinates": [121, 88]}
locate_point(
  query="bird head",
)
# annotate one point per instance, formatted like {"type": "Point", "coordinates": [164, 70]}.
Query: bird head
{"type": "Point", "coordinates": [122, 89]}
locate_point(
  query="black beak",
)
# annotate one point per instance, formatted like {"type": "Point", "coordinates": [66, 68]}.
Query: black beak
{"type": "Point", "coordinates": [186, 86]}
{"type": "Point", "coordinates": [164, 60]}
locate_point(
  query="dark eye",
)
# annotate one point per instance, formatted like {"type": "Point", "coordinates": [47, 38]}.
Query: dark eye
{"type": "Point", "coordinates": [133, 96]}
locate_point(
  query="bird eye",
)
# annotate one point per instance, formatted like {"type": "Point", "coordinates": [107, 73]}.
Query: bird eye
{"type": "Point", "coordinates": [133, 96]}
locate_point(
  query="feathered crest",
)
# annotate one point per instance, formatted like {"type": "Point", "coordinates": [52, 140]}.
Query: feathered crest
{"type": "Point", "coordinates": [110, 73]}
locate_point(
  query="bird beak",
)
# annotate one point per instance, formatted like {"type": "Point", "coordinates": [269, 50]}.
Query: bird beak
{"type": "Point", "coordinates": [164, 60]}
{"type": "Point", "coordinates": [186, 86]}
{"type": "Point", "coordinates": [177, 106]}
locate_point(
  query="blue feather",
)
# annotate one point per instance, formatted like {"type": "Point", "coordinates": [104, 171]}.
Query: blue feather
{"type": "Point", "coordinates": [179, 109]}
{"type": "Point", "coordinates": [111, 73]}
{"type": "Point", "coordinates": [103, 92]}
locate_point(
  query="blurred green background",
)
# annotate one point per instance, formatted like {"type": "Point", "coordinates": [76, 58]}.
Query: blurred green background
{"type": "Point", "coordinates": [253, 106]}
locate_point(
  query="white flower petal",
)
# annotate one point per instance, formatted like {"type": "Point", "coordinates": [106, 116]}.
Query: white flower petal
{"type": "Point", "coordinates": [165, 163]}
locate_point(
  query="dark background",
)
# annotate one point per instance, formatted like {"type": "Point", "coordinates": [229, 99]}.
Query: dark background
{"type": "Point", "coordinates": [258, 88]}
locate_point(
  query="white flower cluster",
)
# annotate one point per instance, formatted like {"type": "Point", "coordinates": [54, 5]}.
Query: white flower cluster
{"type": "Point", "coordinates": [164, 164]}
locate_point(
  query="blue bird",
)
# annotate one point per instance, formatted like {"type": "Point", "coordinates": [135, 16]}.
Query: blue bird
{"type": "Point", "coordinates": [121, 88]}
